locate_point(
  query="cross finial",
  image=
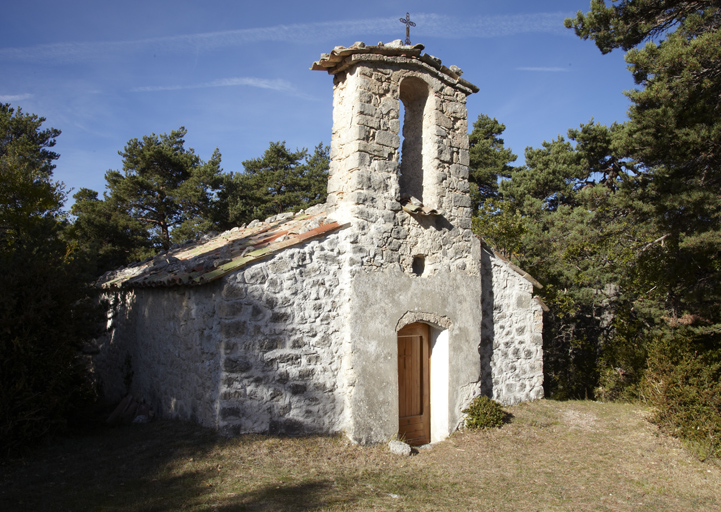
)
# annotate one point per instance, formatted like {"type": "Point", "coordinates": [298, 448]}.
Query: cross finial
{"type": "Point", "coordinates": [407, 21]}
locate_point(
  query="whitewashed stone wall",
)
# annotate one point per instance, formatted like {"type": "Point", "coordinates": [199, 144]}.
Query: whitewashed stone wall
{"type": "Point", "coordinates": [512, 340]}
{"type": "Point", "coordinates": [259, 351]}
{"type": "Point", "coordinates": [280, 343]}
{"type": "Point", "coordinates": [161, 342]}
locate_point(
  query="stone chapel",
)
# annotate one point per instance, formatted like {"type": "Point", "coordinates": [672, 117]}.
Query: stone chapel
{"type": "Point", "coordinates": [376, 314]}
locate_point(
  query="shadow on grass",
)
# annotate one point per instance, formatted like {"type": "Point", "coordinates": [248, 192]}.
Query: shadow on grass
{"type": "Point", "coordinates": [507, 417]}
{"type": "Point", "coordinates": [312, 495]}
{"type": "Point", "coordinates": [165, 465]}
{"type": "Point", "coordinates": [114, 469]}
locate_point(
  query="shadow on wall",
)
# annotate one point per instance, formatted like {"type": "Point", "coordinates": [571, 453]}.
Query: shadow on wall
{"type": "Point", "coordinates": [487, 325]}
{"type": "Point", "coordinates": [436, 222]}
{"type": "Point", "coordinates": [249, 353]}
{"type": "Point", "coordinates": [276, 331]}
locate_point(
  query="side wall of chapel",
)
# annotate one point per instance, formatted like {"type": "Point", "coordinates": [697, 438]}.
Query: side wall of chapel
{"type": "Point", "coordinates": [257, 351]}
{"type": "Point", "coordinates": [512, 334]}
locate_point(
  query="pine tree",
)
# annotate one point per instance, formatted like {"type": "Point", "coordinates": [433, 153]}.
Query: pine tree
{"type": "Point", "coordinates": [45, 309]}
{"type": "Point", "coordinates": [166, 186]}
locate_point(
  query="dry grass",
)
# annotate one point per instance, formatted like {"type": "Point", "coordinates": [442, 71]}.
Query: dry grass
{"type": "Point", "coordinates": [551, 456]}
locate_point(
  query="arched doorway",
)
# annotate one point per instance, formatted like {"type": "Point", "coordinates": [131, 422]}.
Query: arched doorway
{"type": "Point", "coordinates": [414, 425]}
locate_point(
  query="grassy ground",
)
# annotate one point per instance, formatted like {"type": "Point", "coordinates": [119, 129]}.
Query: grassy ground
{"type": "Point", "coordinates": [551, 456]}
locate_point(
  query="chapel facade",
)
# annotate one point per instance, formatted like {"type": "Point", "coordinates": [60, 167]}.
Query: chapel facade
{"type": "Point", "coordinates": [376, 314]}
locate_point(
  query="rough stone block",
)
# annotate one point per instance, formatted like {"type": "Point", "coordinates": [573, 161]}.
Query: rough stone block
{"type": "Point", "coordinates": [279, 265]}
{"type": "Point", "coordinates": [327, 258]}
{"type": "Point", "coordinates": [385, 167]}
{"type": "Point", "coordinates": [369, 121]}
{"type": "Point", "coordinates": [444, 121]}
{"type": "Point", "coordinates": [356, 133]}
{"type": "Point", "coordinates": [523, 301]}
{"type": "Point", "coordinates": [463, 200]}
{"type": "Point", "coordinates": [288, 427]}
{"type": "Point", "coordinates": [365, 96]}
{"type": "Point", "coordinates": [281, 317]}
{"type": "Point", "coordinates": [460, 141]}
{"type": "Point", "coordinates": [399, 233]}
{"type": "Point", "coordinates": [389, 105]}
{"type": "Point", "coordinates": [297, 389]}
{"type": "Point", "coordinates": [232, 309]}
{"type": "Point", "coordinates": [444, 154]}
{"type": "Point", "coordinates": [237, 364]}
{"type": "Point", "coordinates": [255, 275]}
{"type": "Point", "coordinates": [463, 157]}
{"type": "Point", "coordinates": [399, 448]}
{"type": "Point", "coordinates": [232, 395]}
{"type": "Point", "coordinates": [376, 150]}
{"type": "Point", "coordinates": [229, 412]}
{"type": "Point", "coordinates": [264, 344]}
{"type": "Point", "coordinates": [284, 357]}
{"type": "Point", "coordinates": [459, 171]}
{"type": "Point", "coordinates": [273, 284]}
{"type": "Point", "coordinates": [367, 214]}
{"type": "Point", "coordinates": [366, 109]}
{"type": "Point", "coordinates": [233, 329]}
{"type": "Point", "coordinates": [362, 197]}
{"type": "Point", "coordinates": [464, 223]}
{"type": "Point", "coordinates": [388, 139]}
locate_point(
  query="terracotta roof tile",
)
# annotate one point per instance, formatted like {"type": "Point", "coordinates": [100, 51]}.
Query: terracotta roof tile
{"type": "Point", "coordinates": [207, 260]}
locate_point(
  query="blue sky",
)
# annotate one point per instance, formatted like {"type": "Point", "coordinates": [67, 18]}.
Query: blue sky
{"type": "Point", "coordinates": [236, 73]}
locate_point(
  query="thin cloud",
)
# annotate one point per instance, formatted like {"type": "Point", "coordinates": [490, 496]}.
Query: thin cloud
{"type": "Point", "coordinates": [438, 25]}
{"type": "Point", "coordinates": [7, 98]}
{"type": "Point", "coordinates": [429, 25]}
{"type": "Point", "coordinates": [543, 70]}
{"type": "Point", "coordinates": [276, 85]}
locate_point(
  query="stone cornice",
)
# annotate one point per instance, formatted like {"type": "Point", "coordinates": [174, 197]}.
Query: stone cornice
{"type": "Point", "coordinates": [342, 58]}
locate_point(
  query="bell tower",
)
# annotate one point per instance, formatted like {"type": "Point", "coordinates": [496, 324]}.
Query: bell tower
{"type": "Point", "coordinates": [399, 180]}
{"type": "Point", "coordinates": [400, 133]}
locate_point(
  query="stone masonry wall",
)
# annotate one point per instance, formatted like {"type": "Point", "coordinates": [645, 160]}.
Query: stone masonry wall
{"type": "Point", "coordinates": [162, 343]}
{"type": "Point", "coordinates": [512, 342]}
{"type": "Point", "coordinates": [257, 351]}
{"type": "Point", "coordinates": [281, 351]}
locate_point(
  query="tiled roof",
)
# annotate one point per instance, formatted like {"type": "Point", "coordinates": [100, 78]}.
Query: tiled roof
{"type": "Point", "coordinates": [209, 259]}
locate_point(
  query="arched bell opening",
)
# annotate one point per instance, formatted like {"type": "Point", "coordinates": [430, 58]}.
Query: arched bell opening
{"type": "Point", "coordinates": [415, 161]}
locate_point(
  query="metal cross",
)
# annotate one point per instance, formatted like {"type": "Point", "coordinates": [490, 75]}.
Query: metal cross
{"type": "Point", "coordinates": [409, 24]}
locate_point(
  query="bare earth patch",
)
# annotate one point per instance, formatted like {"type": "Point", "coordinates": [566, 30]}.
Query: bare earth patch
{"type": "Point", "coordinates": [552, 456]}
{"type": "Point", "coordinates": [581, 420]}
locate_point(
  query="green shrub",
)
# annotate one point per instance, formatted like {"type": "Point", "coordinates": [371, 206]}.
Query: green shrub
{"type": "Point", "coordinates": [683, 383]}
{"type": "Point", "coordinates": [484, 413]}
{"type": "Point", "coordinates": [616, 385]}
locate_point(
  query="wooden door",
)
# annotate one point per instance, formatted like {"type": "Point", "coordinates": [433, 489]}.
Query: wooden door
{"type": "Point", "coordinates": [414, 422]}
